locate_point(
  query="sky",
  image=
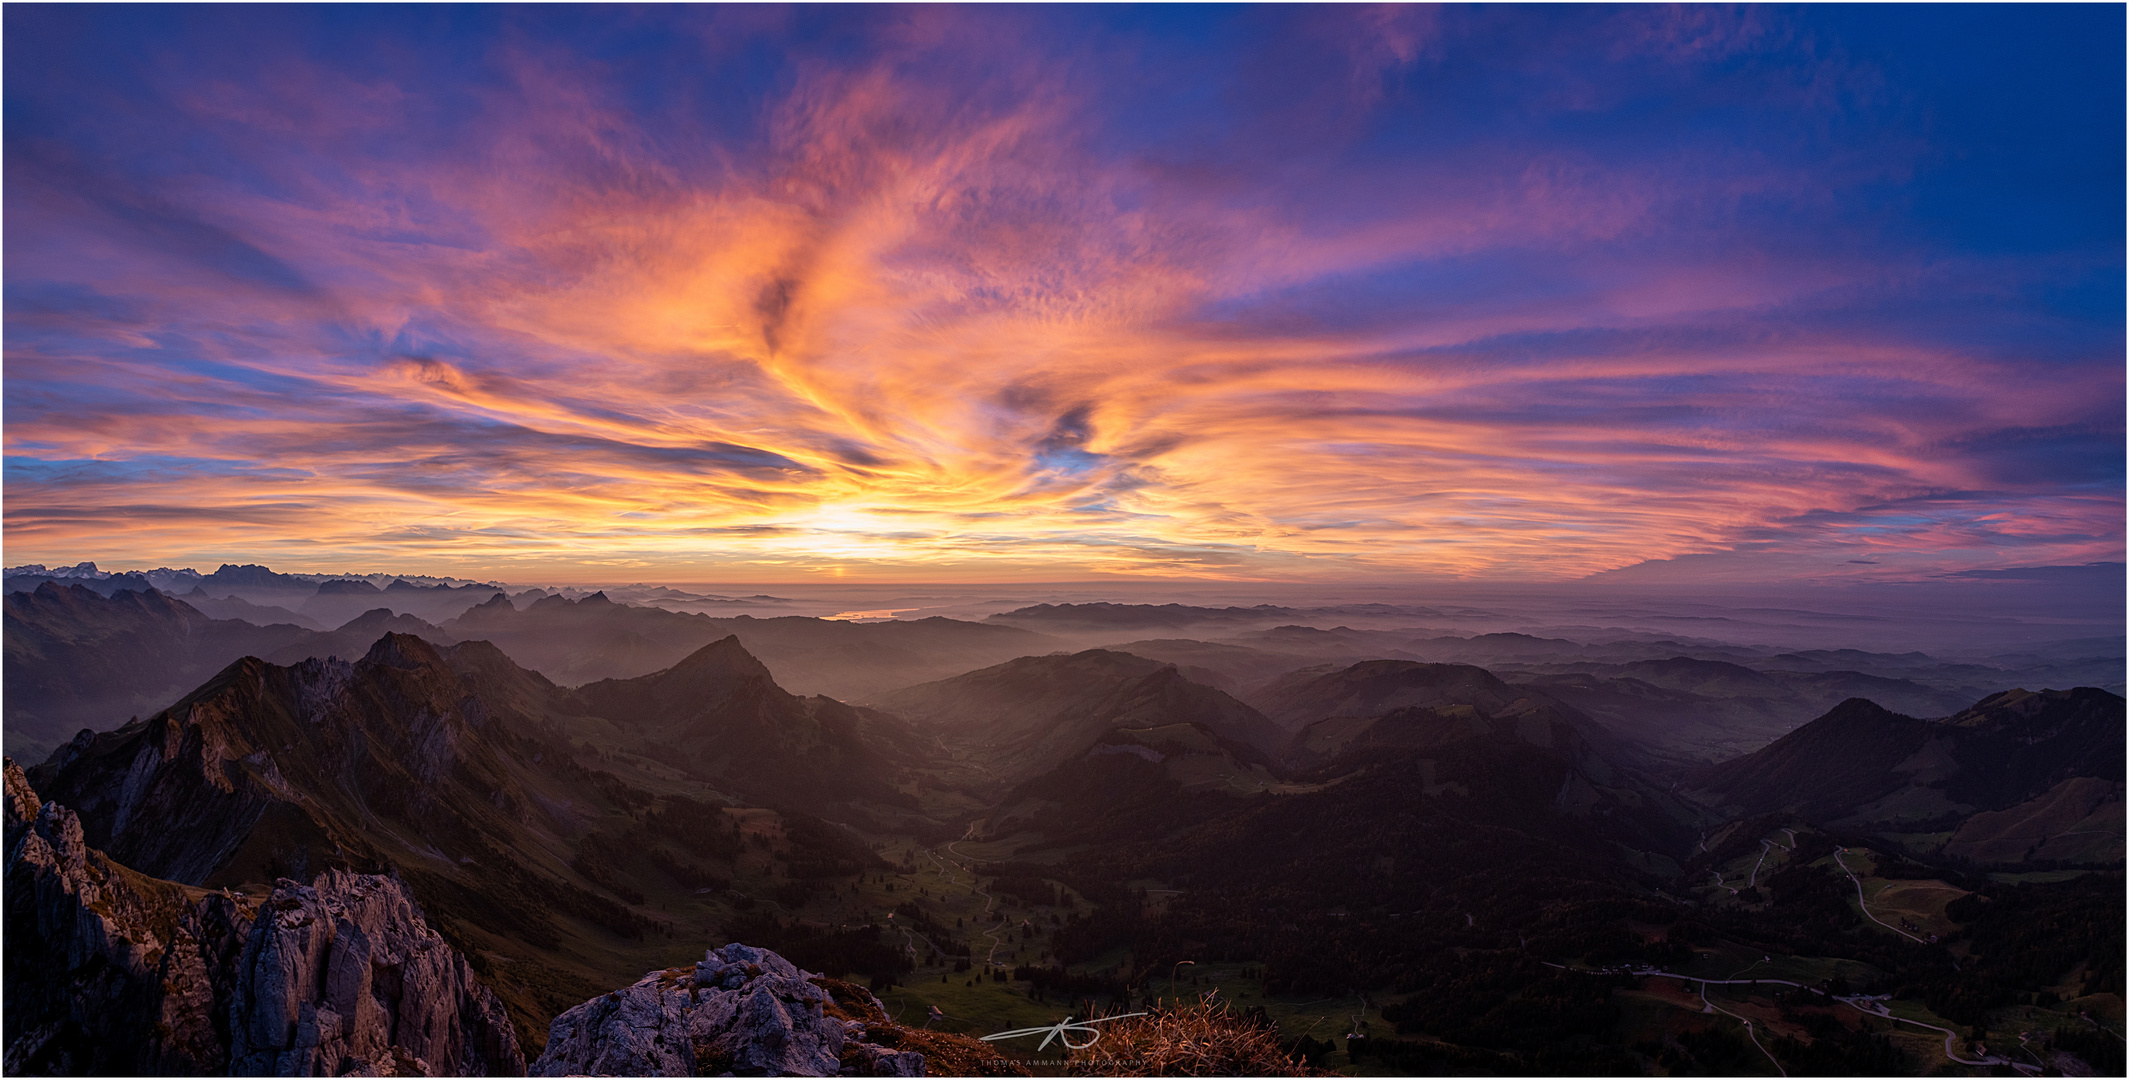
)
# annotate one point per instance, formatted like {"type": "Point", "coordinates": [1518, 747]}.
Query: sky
{"type": "Point", "coordinates": [1266, 293]}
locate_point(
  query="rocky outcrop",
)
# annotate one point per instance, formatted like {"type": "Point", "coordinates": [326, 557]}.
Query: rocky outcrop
{"type": "Point", "coordinates": [343, 977]}
{"type": "Point", "coordinates": [741, 1012]}
{"type": "Point", "coordinates": [109, 971]}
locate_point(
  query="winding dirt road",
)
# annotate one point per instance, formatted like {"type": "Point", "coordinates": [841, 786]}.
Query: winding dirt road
{"type": "Point", "coordinates": [990, 904]}
{"type": "Point", "coordinates": [1866, 907]}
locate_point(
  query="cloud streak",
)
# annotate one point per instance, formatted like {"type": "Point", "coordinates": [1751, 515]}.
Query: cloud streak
{"type": "Point", "coordinates": [920, 293]}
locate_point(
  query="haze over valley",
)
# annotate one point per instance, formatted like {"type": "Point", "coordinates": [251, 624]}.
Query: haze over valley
{"type": "Point", "coordinates": [1024, 802]}
{"type": "Point", "coordinates": [996, 540]}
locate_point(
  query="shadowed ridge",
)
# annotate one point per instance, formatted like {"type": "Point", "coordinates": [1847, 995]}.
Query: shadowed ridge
{"type": "Point", "coordinates": [75, 658]}
{"type": "Point", "coordinates": [404, 651]}
{"type": "Point", "coordinates": [2048, 759]}
{"type": "Point", "coordinates": [80, 599]}
{"type": "Point", "coordinates": [1026, 716]}
{"type": "Point", "coordinates": [720, 713]}
{"type": "Point", "coordinates": [1374, 687]}
{"type": "Point", "coordinates": [313, 751]}
{"type": "Point", "coordinates": [385, 620]}
{"type": "Point", "coordinates": [1166, 695]}
{"type": "Point", "coordinates": [1841, 760]}
{"type": "Point", "coordinates": [499, 604]}
{"type": "Point", "coordinates": [718, 672]}
{"type": "Point", "coordinates": [470, 658]}
{"type": "Point", "coordinates": [724, 658]}
{"type": "Point", "coordinates": [348, 587]}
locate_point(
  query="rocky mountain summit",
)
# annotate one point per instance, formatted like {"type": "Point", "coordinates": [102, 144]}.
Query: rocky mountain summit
{"type": "Point", "coordinates": [111, 971]}
{"type": "Point", "coordinates": [743, 1011]}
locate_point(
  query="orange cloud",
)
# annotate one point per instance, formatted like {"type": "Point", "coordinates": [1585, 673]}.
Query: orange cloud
{"type": "Point", "coordinates": [930, 330]}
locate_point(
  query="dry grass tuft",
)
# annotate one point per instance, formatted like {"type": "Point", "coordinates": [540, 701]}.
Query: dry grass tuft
{"type": "Point", "coordinates": [944, 1054]}
{"type": "Point", "coordinates": [1203, 1039]}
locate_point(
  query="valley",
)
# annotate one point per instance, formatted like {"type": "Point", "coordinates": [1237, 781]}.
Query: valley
{"type": "Point", "coordinates": [1394, 851]}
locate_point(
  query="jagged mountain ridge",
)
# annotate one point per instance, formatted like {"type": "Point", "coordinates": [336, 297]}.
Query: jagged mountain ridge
{"type": "Point", "coordinates": [349, 759]}
{"type": "Point", "coordinates": [415, 747]}
{"type": "Point", "coordinates": [76, 658]}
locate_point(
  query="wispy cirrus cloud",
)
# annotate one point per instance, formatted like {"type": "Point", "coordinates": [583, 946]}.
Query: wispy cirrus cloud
{"type": "Point", "coordinates": [955, 292]}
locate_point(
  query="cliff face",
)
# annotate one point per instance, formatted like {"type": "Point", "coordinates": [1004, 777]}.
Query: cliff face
{"type": "Point", "coordinates": [109, 971]}
{"type": "Point", "coordinates": [269, 771]}
{"type": "Point", "coordinates": [343, 975]}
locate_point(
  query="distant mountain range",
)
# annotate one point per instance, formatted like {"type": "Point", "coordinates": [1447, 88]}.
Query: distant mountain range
{"type": "Point", "coordinates": [76, 659]}
{"type": "Point", "coordinates": [573, 641]}
{"type": "Point", "coordinates": [554, 784]}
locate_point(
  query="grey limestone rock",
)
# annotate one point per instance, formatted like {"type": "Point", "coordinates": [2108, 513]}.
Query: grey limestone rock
{"type": "Point", "coordinates": [109, 971]}
{"type": "Point", "coordinates": [343, 976]}
{"type": "Point", "coordinates": [742, 1011]}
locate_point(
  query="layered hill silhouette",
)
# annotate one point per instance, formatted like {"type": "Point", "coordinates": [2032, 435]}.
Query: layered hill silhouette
{"type": "Point", "coordinates": [441, 749]}
{"type": "Point", "coordinates": [577, 641]}
{"type": "Point", "coordinates": [1715, 709]}
{"type": "Point", "coordinates": [76, 658]}
{"type": "Point", "coordinates": [1374, 687]}
{"type": "Point", "coordinates": [1026, 716]}
{"type": "Point", "coordinates": [558, 784]}
{"type": "Point", "coordinates": [1450, 739]}
{"type": "Point", "coordinates": [258, 594]}
{"type": "Point", "coordinates": [2044, 768]}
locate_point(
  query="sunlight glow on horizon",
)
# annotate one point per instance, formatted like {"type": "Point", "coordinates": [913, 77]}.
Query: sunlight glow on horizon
{"type": "Point", "coordinates": [935, 299]}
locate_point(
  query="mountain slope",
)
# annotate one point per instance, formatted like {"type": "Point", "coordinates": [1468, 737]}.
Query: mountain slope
{"type": "Point", "coordinates": [265, 769]}
{"type": "Point", "coordinates": [1864, 766]}
{"type": "Point", "coordinates": [466, 776]}
{"type": "Point", "coordinates": [236, 607]}
{"type": "Point", "coordinates": [1670, 723]}
{"type": "Point", "coordinates": [721, 711]}
{"type": "Point", "coordinates": [451, 755]}
{"type": "Point", "coordinates": [1374, 687]}
{"type": "Point", "coordinates": [1025, 716]}
{"type": "Point", "coordinates": [1855, 754]}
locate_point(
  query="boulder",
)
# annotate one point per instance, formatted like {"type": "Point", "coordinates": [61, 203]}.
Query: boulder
{"type": "Point", "coordinates": [742, 1011]}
